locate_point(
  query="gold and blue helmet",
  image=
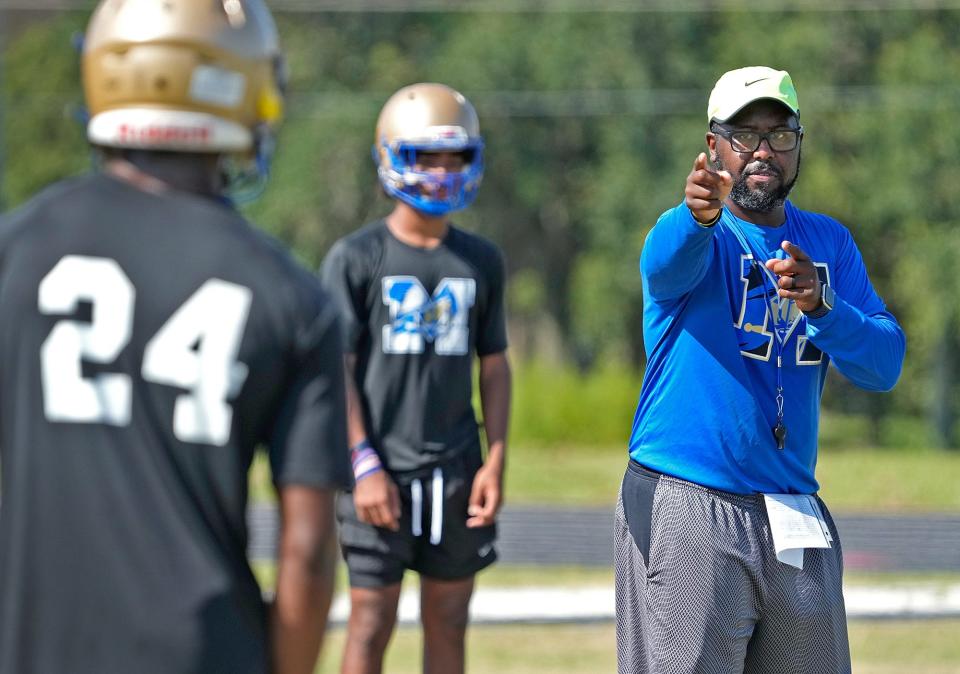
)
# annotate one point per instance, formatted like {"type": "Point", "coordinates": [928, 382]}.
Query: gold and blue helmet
{"type": "Point", "coordinates": [185, 76]}
{"type": "Point", "coordinates": [428, 117]}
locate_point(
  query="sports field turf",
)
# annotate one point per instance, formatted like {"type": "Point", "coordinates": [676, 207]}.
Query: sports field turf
{"type": "Point", "coordinates": [861, 480]}
{"type": "Point", "coordinates": [852, 480]}
{"type": "Point", "coordinates": [878, 647]}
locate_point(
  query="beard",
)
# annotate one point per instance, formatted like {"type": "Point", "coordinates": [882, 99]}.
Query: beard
{"type": "Point", "coordinates": [765, 198]}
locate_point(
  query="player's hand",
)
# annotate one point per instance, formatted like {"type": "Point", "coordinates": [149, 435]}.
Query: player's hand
{"type": "Point", "coordinates": [377, 501]}
{"type": "Point", "coordinates": [486, 497]}
{"type": "Point", "coordinates": [706, 189]}
{"type": "Point", "coordinates": [798, 280]}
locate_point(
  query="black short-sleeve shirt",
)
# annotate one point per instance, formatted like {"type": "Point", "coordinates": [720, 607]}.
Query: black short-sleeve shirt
{"type": "Point", "coordinates": [148, 344]}
{"type": "Point", "coordinates": [415, 318]}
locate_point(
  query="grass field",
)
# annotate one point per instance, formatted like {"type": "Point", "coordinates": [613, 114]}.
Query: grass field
{"type": "Point", "coordinates": [878, 647]}
{"type": "Point", "coordinates": [852, 480]}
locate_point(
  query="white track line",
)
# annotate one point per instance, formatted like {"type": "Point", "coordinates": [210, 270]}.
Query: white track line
{"type": "Point", "coordinates": [596, 604]}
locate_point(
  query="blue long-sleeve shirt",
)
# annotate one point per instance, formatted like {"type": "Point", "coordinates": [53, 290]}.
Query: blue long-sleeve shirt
{"type": "Point", "coordinates": [711, 313]}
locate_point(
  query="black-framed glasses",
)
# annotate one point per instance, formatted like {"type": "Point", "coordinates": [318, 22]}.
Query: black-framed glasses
{"type": "Point", "coordinates": [779, 140]}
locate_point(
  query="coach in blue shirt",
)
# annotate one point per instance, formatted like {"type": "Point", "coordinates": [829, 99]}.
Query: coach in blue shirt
{"type": "Point", "coordinates": [727, 561]}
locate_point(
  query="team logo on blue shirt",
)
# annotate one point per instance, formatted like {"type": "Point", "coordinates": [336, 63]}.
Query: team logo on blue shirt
{"type": "Point", "coordinates": [765, 316]}
{"type": "Point", "coordinates": [418, 318]}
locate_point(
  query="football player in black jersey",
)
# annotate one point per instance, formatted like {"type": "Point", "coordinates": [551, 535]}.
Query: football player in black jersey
{"type": "Point", "coordinates": [150, 341]}
{"type": "Point", "coordinates": [422, 300]}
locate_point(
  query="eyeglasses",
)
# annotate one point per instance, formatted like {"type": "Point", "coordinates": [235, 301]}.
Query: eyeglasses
{"type": "Point", "coordinates": [780, 140]}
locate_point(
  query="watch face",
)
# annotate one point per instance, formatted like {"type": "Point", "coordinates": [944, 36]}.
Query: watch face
{"type": "Point", "coordinates": [828, 297]}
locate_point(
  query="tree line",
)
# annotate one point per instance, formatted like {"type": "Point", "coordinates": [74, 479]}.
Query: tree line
{"type": "Point", "coordinates": [592, 122]}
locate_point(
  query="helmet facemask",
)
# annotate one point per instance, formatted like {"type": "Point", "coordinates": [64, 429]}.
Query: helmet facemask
{"type": "Point", "coordinates": [432, 192]}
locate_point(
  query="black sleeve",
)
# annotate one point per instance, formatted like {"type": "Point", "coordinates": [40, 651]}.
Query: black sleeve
{"type": "Point", "coordinates": [309, 441]}
{"type": "Point", "coordinates": [492, 324]}
{"type": "Point", "coordinates": [344, 279]}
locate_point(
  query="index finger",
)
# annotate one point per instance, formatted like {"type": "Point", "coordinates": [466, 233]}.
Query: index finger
{"type": "Point", "coordinates": [794, 251]}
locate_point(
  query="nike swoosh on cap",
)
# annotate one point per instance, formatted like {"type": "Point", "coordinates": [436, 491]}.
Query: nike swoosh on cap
{"type": "Point", "coordinates": [747, 84]}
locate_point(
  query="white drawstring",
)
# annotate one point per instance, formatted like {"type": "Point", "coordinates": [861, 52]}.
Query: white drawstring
{"type": "Point", "coordinates": [416, 493]}
{"type": "Point", "coordinates": [436, 512]}
{"type": "Point", "coordinates": [436, 508]}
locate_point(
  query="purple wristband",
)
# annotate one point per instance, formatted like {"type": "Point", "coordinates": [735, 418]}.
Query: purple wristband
{"type": "Point", "coordinates": [364, 460]}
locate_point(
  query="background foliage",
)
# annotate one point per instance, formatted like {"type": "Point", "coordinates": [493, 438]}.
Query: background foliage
{"type": "Point", "coordinates": [592, 121]}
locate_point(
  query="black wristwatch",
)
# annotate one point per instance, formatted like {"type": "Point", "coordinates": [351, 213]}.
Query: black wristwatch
{"type": "Point", "coordinates": [827, 300]}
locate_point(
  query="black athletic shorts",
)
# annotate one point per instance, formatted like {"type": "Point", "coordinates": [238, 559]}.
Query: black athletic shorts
{"type": "Point", "coordinates": [433, 541]}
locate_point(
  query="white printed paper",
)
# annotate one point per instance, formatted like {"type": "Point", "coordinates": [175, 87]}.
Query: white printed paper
{"type": "Point", "coordinates": [795, 524]}
{"type": "Point", "coordinates": [823, 521]}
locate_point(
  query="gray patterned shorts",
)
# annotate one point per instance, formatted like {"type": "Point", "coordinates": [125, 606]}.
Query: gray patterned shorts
{"type": "Point", "coordinates": [699, 588]}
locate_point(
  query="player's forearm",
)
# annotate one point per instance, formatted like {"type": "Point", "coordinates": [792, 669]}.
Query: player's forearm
{"type": "Point", "coordinates": [495, 384]}
{"type": "Point", "coordinates": [363, 455]}
{"type": "Point", "coordinates": [356, 431]}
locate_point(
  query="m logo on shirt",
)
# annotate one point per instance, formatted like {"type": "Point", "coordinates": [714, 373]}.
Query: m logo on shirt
{"type": "Point", "coordinates": [756, 330]}
{"type": "Point", "coordinates": [416, 317]}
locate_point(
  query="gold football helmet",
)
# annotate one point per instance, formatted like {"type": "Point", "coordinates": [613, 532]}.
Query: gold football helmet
{"type": "Point", "coordinates": [428, 118]}
{"type": "Point", "coordinates": [184, 75]}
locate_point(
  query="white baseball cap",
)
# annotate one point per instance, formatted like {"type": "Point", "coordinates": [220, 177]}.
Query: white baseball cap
{"type": "Point", "coordinates": [736, 89]}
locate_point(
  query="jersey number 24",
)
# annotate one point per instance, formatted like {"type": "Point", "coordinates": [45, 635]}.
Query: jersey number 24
{"type": "Point", "coordinates": [196, 350]}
